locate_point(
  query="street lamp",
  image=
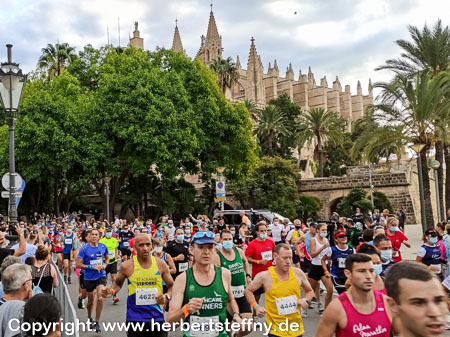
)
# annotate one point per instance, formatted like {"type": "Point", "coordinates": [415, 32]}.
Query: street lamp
{"type": "Point", "coordinates": [107, 180]}
{"type": "Point", "coordinates": [11, 88]}
{"type": "Point", "coordinates": [434, 164]}
{"type": "Point", "coordinates": [220, 170]}
{"type": "Point", "coordinates": [417, 148]}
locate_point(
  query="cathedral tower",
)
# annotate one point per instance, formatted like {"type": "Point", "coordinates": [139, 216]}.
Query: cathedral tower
{"type": "Point", "coordinates": [176, 44]}
{"type": "Point", "coordinates": [137, 41]}
{"type": "Point", "coordinates": [254, 91]}
{"type": "Point", "coordinates": [211, 46]}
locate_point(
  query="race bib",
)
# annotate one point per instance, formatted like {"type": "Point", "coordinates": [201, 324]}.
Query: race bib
{"type": "Point", "coordinates": [97, 262]}
{"type": "Point", "coordinates": [287, 305]}
{"type": "Point", "coordinates": [183, 266]}
{"type": "Point", "coordinates": [238, 291]}
{"type": "Point", "coordinates": [111, 253]}
{"type": "Point", "coordinates": [126, 244]}
{"type": "Point", "coordinates": [68, 241]}
{"type": "Point", "coordinates": [205, 323]}
{"type": "Point", "coordinates": [146, 296]}
{"type": "Point", "coordinates": [438, 268]}
{"type": "Point", "coordinates": [341, 262]}
{"type": "Point", "coordinates": [267, 255]}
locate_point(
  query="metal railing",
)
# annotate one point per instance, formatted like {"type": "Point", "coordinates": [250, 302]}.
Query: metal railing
{"type": "Point", "coordinates": [69, 314]}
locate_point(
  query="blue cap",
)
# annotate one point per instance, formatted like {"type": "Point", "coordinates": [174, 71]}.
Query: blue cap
{"type": "Point", "coordinates": [203, 241]}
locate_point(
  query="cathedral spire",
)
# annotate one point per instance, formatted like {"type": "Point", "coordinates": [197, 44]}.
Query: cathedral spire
{"type": "Point", "coordinates": [177, 45]}
{"type": "Point", "coordinates": [213, 33]}
{"type": "Point", "coordinates": [238, 63]}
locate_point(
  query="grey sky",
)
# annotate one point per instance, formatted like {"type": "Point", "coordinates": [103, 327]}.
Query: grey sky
{"type": "Point", "coordinates": [348, 38]}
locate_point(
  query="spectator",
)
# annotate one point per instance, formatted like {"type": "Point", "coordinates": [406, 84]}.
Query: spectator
{"type": "Point", "coordinates": [376, 217]}
{"type": "Point", "coordinates": [358, 217]}
{"type": "Point", "coordinates": [4, 252]}
{"type": "Point", "coordinates": [8, 261]}
{"type": "Point", "coordinates": [401, 216]}
{"type": "Point", "coordinates": [44, 309]}
{"type": "Point", "coordinates": [43, 272]}
{"type": "Point", "coordinates": [17, 286]}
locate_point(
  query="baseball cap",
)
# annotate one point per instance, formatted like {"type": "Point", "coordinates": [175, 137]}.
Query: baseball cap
{"type": "Point", "coordinates": [108, 229]}
{"type": "Point", "coordinates": [203, 238]}
{"type": "Point", "coordinates": [340, 234]}
{"type": "Point", "coordinates": [431, 232]}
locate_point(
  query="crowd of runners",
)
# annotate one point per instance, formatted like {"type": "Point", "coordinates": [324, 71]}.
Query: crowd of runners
{"type": "Point", "coordinates": [221, 276]}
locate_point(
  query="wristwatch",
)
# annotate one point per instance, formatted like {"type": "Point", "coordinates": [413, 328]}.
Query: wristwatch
{"type": "Point", "coordinates": [168, 297]}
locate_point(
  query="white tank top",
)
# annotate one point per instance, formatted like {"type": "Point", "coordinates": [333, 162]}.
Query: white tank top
{"type": "Point", "coordinates": [317, 261]}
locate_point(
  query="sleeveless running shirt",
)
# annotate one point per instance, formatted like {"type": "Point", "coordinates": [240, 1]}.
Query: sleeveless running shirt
{"type": "Point", "coordinates": [236, 267]}
{"type": "Point", "coordinates": [281, 305]}
{"type": "Point", "coordinates": [375, 324]}
{"type": "Point", "coordinates": [338, 257]}
{"type": "Point", "coordinates": [143, 285]}
{"type": "Point", "coordinates": [214, 308]}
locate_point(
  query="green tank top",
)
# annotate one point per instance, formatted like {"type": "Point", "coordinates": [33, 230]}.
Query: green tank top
{"type": "Point", "coordinates": [214, 306]}
{"type": "Point", "coordinates": [236, 267]}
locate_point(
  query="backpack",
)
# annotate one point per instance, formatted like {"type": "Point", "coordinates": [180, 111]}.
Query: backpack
{"type": "Point", "coordinates": [36, 288]}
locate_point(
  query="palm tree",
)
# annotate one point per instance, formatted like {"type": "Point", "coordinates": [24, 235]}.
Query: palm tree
{"type": "Point", "coordinates": [321, 126]}
{"type": "Point", "coordinates": [412, 111]}
{"type": "Point", "coordinates": [429, 49]}
{"type": "Point", "coordinates": [226, 70]}
{"type": "Point", "coordinates": [270, 124]}
{"type": "Point", "coordinates": [56, 57]}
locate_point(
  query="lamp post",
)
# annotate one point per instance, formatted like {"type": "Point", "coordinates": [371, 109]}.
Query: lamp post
{"type": "Point", "coordinates": [434, 164]}
{"type": "Point", "coordinates": [417, 148]}
{"type": "Point", "coordinates": [220, 170]}
{"type": "Point", "coordinates": [371, 185]}
{"type": "Point", "coordinates": [107, 180]}
{"type": "Point", "coordinates": [11, 88]}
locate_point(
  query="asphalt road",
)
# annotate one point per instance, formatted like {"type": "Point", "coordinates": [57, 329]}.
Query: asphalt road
{"type": "Point", "coordinates": [116, 313]}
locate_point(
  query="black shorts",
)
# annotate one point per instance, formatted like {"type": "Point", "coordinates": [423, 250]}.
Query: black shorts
{"type": "Point", "coordinates": [149, 329]}
{"type": "Point", "coordinates": [111, 268]}
{"type": "Point", "coordinates": [59, 252]}
{"type": "Point", "coordinates": [125, 252]}
{"type": "Point", "coordinates": [295, 258]}
{"type": "Point", "coordinates": [339, 284]}
{"type": "Point", "coordinates": [90, 286]}
{"type": "Point", "coordinates": [305, 265]}
{"type": "Point", "coordinates": [67, 256]}
{"type": "Point", "coordinates": [316, 272]}
{"type": "Point", "coordinates": [81, 280]}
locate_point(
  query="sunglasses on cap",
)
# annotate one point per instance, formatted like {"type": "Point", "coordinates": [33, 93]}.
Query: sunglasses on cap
{"type": "Point", "coordinates": [199, 235]}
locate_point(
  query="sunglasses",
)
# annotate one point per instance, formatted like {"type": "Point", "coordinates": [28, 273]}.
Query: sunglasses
{"type": "Point", "coordinates": [199, 235]}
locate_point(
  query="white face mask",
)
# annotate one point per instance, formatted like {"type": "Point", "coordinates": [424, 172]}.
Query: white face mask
{"type": "Point", "coordinates": [158, 249]}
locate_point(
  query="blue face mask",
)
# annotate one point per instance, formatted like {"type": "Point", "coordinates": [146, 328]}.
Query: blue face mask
{"type": "Point", "coordinates": [187, 231]}
{"type": "Point", "coordinates": [228, 245]}
{"type": "Point", "coordinates": [433, 240]}
{"type": "Point", "coordinates": [218, 246]}
{"type": "Point", "coordinates": [324, 235]}
{"type": "Point", "coordinates": [180, 238]}
{"type": "Point", "coordinates": [108, 235]}
{"type": "Point", "coordinates": [386, 255]}
{"type": "Point", "coordinates": [378, 268]}
{"type": "Point", "coordinates": [263, 236]}
{"type": "Point", "coordinates": [393, 229]}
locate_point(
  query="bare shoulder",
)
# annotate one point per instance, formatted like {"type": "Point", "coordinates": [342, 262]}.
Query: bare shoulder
{"type": "Point", "coordinates": [299, 273]}
{"type": "Point", "coordinates": [226, 274]}
{"type": "Point", "coordinates": [127, 267]}
{"type": "Point", "coordinates": [335, 313]}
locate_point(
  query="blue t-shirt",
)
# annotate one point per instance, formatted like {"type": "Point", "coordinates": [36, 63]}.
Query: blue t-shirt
{"type": "Point", "coordinates": [68, 243]}
{"type": "Point", "coordinates": [125, 237]}
{"type": "Point", "coordinates": [29, 251]}
{"type": "Point", "coordinates": [92, 256]}
{"type": "Point", "coordinates": [338, 257]}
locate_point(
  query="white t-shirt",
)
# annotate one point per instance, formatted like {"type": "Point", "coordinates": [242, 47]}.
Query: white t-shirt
{"type": "Point", "coordinates": [170, 231]}
{"type": "Point", "coordinates": [317, 261]}
{"type": "Point", "coordinates": [276, 231]}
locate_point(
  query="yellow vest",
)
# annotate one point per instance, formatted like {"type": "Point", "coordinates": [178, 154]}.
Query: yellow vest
{"type": "Point", "coordinates": [281, 305]}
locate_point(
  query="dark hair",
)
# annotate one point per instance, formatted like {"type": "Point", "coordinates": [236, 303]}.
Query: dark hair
{"type": "Point", "coordinates": [319, 226]}
{"type": "Point", "coordinates": [409, 270]}
{"type": "Point", "coordinates": [259, 224]}
{"type": "Point", "coordinates": [30, 260]}
{"type": "Point", "coordinates": [84, 234]}
{"type": "Point", "coordinates": [368, 219]}
{"type": "Point", "coordinates": [356, 258]}
{"type": "Point", "coordinates": [281, 246]}
{"type": "Point", "coordinates": [225, 231]}
{"type": "Point", "coordinates": [380, 237]}
{"type": "Point", "coordinates": [365, 248]}
{"type": "Point", "coordinates": [368, 235]}
{"type": "Point", "coordinates": [44, 309]}
{"type": "Point", "coordinates": [41, 253]}
{"type": "Point", "coordinates": [95, 229]}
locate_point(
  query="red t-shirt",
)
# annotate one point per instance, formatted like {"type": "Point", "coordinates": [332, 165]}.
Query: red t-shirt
{"type": "Point", "coordinates": [256, 249]}
{"type": "Point", "coordinates": [396, 240]}
{"type": "Point", "coordinates": [132, 246]}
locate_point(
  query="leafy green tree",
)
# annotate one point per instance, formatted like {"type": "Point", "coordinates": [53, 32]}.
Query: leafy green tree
{"type": "Point", "coordinates": [271, 123]}
{"type": "Point", "coordinates": [308, 207]}
{"type": "Point", "coordinates": [56, 57]}
{"type": "Point", "coordinates": [322, 127]}
{"type": "Point", "coordinates": [381, 201]}
{"type": "Point", "coordinates": [338, 157]}
{"type": "Point", "coordinates": [226, 71]}
{"type": "Point", "coordinates": [356, 198]}
{"type": "Point", "coordinates": [285, 144]}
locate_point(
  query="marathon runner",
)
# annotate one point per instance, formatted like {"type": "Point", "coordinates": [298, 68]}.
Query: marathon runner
{"type": "Point", "coordinates": [125, 237]}
{"type": "Point", "coordinates": [417, 299]}
{"type": "Point", "coordinates": [259, 253]}
{"type": "Point", "coordinates": [112, 245]}
{"type": "Point", "coordinates": [202, 293]}
{"type": "Point", "coordinates": [361, 311]}
{"type": "Point", "coordinates": [80, 243]}
{"type": "Point", "coordinates": [292, 239]}
{"type": "Point", "coordinates": [233, 259]}
{"type": "Point", "coordinates": [93, 258]}
{"type": "Point", "coordinates": [384, 245]}
{"type": "Point", "coordinates": [338, 255]}
{"type": "Point", "coordinates": [67, 252]}
{"type": "Point", "coordinates": [158, 251]}
{"type": "Point", "coordinates": [282, 286]}
{"type": "Point", "coordinates": [146, 301]}
{"type": "Point", "coordinates": [179, 251]}
{"type": "Point", "coordinates": [430, 253]}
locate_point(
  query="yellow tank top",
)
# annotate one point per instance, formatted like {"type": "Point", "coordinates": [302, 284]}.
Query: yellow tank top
{"type": "Point", "coordinates": [281, 306]}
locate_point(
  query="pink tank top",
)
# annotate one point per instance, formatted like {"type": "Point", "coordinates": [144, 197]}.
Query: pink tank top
{"type": "Point", "coordinates": [361, 325]}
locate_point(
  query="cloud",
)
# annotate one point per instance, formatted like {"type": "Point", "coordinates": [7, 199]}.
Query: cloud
{"type": "Point", "coordinates": [344, 38]}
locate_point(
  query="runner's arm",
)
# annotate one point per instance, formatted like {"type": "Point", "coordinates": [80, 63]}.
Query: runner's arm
{"type": "Point", "coordinates": [121, 276]}
{"type": "Point", "coordinates": [330, 320]}
{"type": "Point", "coordinates": [176, 312]}
{"type": "Point", "coordinates": [172, 268]}
{"type": "Point", "coordinates": [245, 260]}
{"type": "Point", "coordinates": [309, 293]}
{"type": "Point", "coordinates": [216, 260]}
{"type": "Point", "coordinates": [226, 276]}
{"type": "Point", "coordinates": [324, 264]}
{"type": "Point", "coordinates": [165, 274]}
{"type": "Point", "coordinates": [257, 283]}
